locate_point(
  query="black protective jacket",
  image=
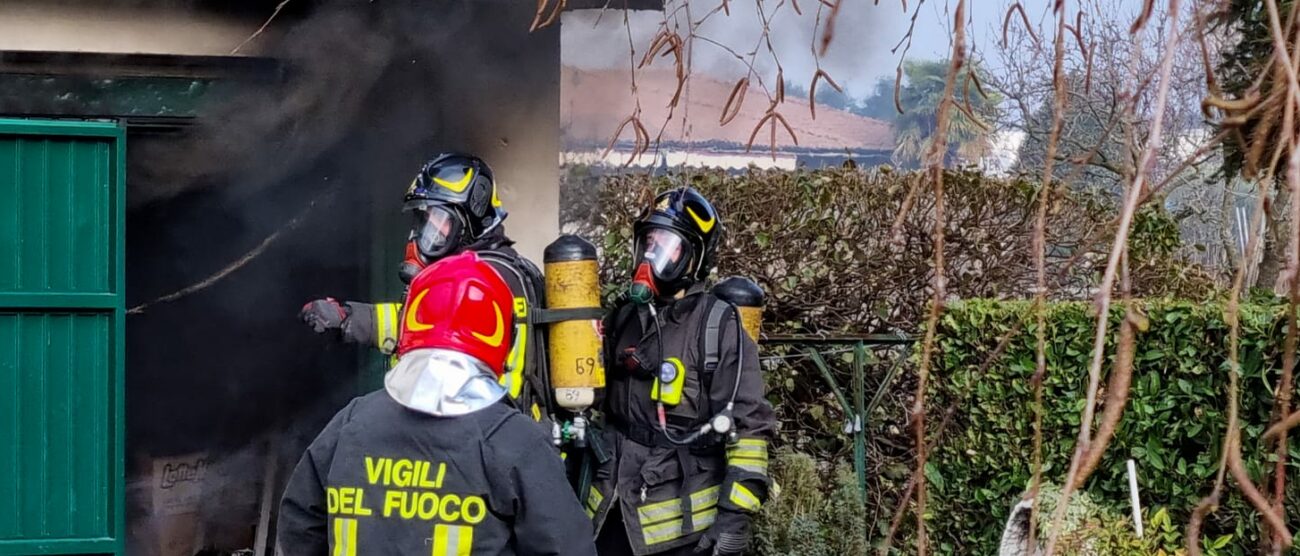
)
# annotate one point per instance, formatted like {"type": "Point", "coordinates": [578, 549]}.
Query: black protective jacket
{"type": "Point", "coordinates": [669, 495]}
{"type": "Point", "coordinates": [384, 479]}
{"type": "Point", "coordinates": [378, 325]}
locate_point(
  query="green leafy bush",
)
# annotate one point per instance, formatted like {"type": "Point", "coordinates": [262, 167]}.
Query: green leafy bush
{"type": "Point", "coordinates": [820, 243]}
{"type": "Point", "coordinates": [803, 520]}
{"type": "Point", "coordinates": [1092, 529]}
{"type": "Point", "coordinates": [1172, 427]}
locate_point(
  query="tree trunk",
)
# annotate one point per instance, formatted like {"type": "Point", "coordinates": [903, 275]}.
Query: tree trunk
{"type": "Point", "coordinates": [1227, 236]}
{"type": "Point", "coordinates": [1273, 262]}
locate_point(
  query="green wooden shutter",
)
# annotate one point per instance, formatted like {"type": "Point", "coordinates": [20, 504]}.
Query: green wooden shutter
{"type": "Point", "coordinates": [62, 316]}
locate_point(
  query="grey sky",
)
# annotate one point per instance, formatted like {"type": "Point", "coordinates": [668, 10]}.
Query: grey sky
{"type": "Point", "coordinates": [865, 34]}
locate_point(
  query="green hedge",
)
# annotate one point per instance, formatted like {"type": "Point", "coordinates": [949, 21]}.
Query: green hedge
{"type": "Point", "coordinates": [1172, 427]}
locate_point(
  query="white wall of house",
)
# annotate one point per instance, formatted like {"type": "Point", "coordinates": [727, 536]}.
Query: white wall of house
{"type": "Point", "coordinates": [691, 159]}
{"type": "Point", "coordinates": [120, 29]}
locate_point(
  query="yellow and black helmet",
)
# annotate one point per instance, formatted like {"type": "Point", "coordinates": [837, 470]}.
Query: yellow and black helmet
{"type": "Point", "coordinates": [684, 215]}
{"type": "Point", "coordinates": [454, 202]}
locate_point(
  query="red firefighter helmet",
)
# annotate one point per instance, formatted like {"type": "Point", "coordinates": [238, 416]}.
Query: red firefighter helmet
{"type": "Point", "coordinates": [460, 303]}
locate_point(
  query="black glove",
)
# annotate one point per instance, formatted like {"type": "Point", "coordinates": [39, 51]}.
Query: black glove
{"type": "Point", "coordinates": [728, 536]}
{"type": "Point", "coordinates": [324, 314]}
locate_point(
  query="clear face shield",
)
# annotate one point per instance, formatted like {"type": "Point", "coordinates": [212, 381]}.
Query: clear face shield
{"type": "Point", "coordinates": [435, 229]}
{"type": "Point", "coordinates": [667, 253]}
{"type": "Point", "coordinates": [663, 257]}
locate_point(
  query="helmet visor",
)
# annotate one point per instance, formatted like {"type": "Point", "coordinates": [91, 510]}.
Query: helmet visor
{"type": "Point", "coordinates": [434, 229]}
{"type": "Point", "coordinates": [666, 251]}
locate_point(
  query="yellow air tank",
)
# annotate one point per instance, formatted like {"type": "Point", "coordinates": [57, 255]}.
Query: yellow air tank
{"type": "Point", "coordinates": [748, 298]}
{"type": "Point", "coordinates": [573, 282]}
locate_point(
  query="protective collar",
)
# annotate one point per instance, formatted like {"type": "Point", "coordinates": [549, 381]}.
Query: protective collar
{"type": "Point", "coordinates": [442, 383]}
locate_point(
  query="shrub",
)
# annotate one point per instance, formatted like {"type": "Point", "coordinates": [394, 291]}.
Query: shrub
{"type": "Point", "coordinates": [819, 242]}
{"type": "Point", "coordinates": [1173, 424]}
{"type": "Point", "coordinates": [802, 520]}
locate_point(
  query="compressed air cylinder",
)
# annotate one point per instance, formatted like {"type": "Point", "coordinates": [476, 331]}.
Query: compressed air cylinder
{"type": "Point", "coordinates": [748, 298]}
{"type": "Point", "coordinates": [573, 282]}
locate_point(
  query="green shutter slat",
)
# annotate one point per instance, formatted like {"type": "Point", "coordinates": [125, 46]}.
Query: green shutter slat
{"type": "Point", "coordinates": [9, 422]}
{"type": "Point", "coordinates": [9, 214]}
{"type": "Point", "coordinates": [61, 318]}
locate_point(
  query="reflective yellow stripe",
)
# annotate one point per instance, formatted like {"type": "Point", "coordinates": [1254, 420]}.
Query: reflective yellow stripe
{"type": "Point", "coordinates": [756, 452]}
{"type": "Point", "coordinates": [659, 511]}
{"type": "Point", "coordinates": [393, 331]}
{"type": "Point", "coordinates": [386, 326]}
{"type": "Point", "coordinates": [754, 448]}
{"type": "Point", "coordinates": [594, 498]}
{"type": "Point", "coordinates": [743, 498]}
{"type": "Point", "coordinates": [452, 540]}
{"type": "Point", "coordinates": [733, 460]}
{"type": "Point", "coordinates": [672, 530]}
{"type": "Point", "coordinates": [749, 454]}
{"type": "Point", "coordinates": [705, 499]}
{"type": "Point", "coordinates": [662, 532]}
{"type": "Point", "coordinates": [345, 537]}
{"type": "Point", "coordinates": [513, 378]}
{"type": "Point", "coordinates": [704, 519]}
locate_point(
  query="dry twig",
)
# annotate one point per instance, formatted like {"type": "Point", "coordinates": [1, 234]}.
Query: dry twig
{"type": "Point", "coordinates": [1076, 474]}
{"type": "Point", "coordinates": [259, 30]}
{"type": "Point", "coordinates": [554, 14]}
{"type": "Point", "coordinates": [935, 158]}
{"type": "Point", "coordinates": [1040, 266]}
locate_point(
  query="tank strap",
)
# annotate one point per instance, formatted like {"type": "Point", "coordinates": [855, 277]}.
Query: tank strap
{"type": "Point", "coordinates": [713, 340]}
{"type": "Point", "coordinates": [550, 316]}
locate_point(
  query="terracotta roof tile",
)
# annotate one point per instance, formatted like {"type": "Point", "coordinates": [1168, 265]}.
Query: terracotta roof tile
{"type": "Point", "coordinates": [594, 102]}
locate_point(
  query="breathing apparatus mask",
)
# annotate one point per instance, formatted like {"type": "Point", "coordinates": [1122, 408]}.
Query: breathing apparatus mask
{"type": "Point", "coordinates": [436, 229]}
{"type": "Point", "coordinates": [664, 258]}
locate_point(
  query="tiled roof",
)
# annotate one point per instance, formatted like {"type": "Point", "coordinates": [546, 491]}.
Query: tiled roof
{"type": "Point", "coordinates": [594, 102]}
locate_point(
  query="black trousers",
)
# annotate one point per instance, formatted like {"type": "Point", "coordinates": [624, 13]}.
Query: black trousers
{"type": "Point", "coordinates": [613, 540]}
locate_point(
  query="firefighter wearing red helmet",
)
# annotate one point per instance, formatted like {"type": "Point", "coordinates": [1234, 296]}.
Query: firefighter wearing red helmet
{"type": "Point", "coordinates": [454, 208]}
{"type": "Point", "coordinates": [684, 402]}
{"type": "Point", "coordinates": [437, 462]}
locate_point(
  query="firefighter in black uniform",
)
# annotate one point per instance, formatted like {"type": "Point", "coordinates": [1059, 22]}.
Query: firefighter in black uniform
{"type": "Point", "coordinates": [454, 207]}
{"type": "Point", "coordinates": [684, 404]}
{"type": "Point", "coordinates": [437, 463]}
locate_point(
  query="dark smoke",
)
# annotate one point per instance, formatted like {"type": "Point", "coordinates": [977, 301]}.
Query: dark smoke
{"type": "Point", "coordinates": [364, 93]}
{"type": "Point", "coordinates": [331, 62]}
{"type": "Point", "coordinates": [860, 53]}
